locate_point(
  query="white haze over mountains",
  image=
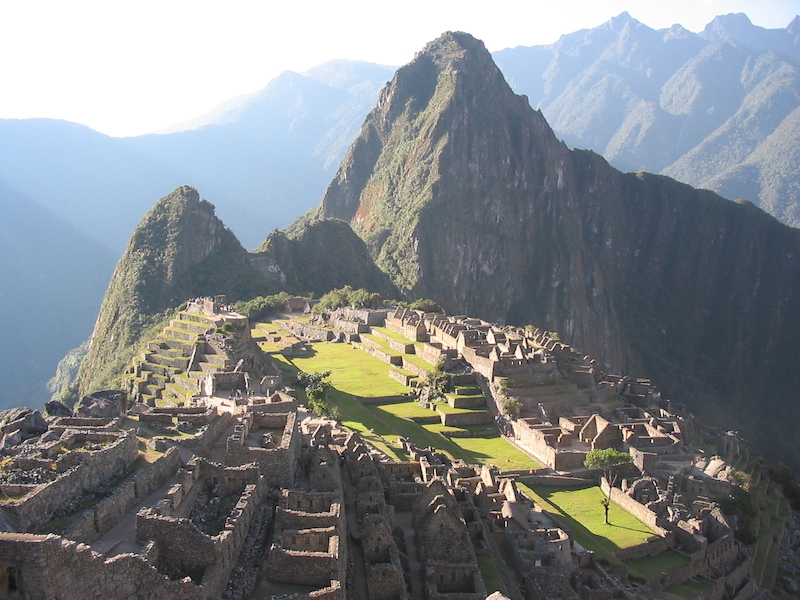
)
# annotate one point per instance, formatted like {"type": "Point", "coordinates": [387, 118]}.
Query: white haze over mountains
{"type": "Point", "coordinates": [128, 68]}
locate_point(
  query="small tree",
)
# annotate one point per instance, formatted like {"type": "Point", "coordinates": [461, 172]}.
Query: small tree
{"type": "Point", "coordinates": [317, 386]}
{"type": "Point", "coordinates": [609, 461]}
{"type": "Point", "coordinates": [437, 379]}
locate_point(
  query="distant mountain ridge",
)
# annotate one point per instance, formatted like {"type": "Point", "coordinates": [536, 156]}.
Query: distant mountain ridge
{"type": "Point", "coordinates": [718, 109]}
{"type": "Point", "coordinates": [262, 172]}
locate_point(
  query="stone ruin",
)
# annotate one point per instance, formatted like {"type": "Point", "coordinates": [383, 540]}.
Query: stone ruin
{"type": "Point", "coordinates": [262, 490]}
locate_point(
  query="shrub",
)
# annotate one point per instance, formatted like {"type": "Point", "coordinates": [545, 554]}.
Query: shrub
{"type": "Point", "coordinates": [347, 296]}
{"type": "Point", "coordinates": [261, 306]}
{"type": "Point", "coordinates": [510, 406]}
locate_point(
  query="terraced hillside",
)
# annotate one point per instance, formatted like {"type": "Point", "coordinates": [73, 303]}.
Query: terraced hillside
{"type": "Point", "coordinates": [173, 367]}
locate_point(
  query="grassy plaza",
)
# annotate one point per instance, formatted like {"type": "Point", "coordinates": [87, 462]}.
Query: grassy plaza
{"type": "Point", "coordinates": [356, 374]}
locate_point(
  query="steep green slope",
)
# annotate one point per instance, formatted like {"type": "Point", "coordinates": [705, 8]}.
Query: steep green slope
{"type": "Point", "coordinates": [180, 249]}
{"type": "Point", "coordinates": [463, 194]}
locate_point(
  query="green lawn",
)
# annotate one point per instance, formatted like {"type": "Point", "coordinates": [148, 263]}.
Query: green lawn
{"type": "Point", "coordinates": [654, 567]}
{"type": "Point", "coordinates": [356, 373]}
{"type": "Point", "coordinates": [690, 589]}
{"type": "Point", "coordinates": [408, 410]}
{"type": "Point", "coordinates": [581, 511]}
{"type": "Point", "coordinates": [352, 371]}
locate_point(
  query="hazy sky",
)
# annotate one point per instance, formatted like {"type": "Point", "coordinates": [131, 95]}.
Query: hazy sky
{"type": "Point", "coordinates": [126, 68]}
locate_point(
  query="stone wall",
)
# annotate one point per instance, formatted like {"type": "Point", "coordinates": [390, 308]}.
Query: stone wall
{"type": "Point", "coordinates": [210, 433]}
{"type": "Point", "coordinates": [453, 582]}
{"type": "Point", "coordinates": [96, 468]}
{"type": "Point", "coordinates": [50, 567]}
{"type": "Point", "coordinates": [182, 547]}
{"type": "Point", "coordinates": [278, 465]}
{"type": "Point", "coordinates": [283, 406]}
{"type": "Point", "coordinates": [405, 379]}
{"type": "Point", "coordinates": [307, 332]}
{"type": "Point", "coordinates": [420, 372]}
{"type": "Point", "coordinates": [473, 417]}
{"type": "Point", "coordinates": [433, 354]}
{"type": "Point", "coordinates": [100, 519]}
{"type": "Point", "coordinates": [535, 441]}
{"type": "Point", "coordinates": [197, 415]}
{"type": "Point", "coordinates": [62, 423]}
{"type": "Point", "coordinates": [308, 510]}
{"type": "Point", "coordinates": [373, 318]}
{"type": "Point", "coordinates": [351, 327]}
{"type": "Point", "coordinates": [401, 347]}
{"type": "Point", "coordinates": [333, 591]}
{"type": "Point", "coordinates": [379, 354]}
{"type": "Point", "coordinates": [304, 566]}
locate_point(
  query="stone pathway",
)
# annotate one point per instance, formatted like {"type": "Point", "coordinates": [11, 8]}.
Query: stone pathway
{"type": "Point", "coordinates": [122, 537]}
{"type": "Point", "coordinates": [358, 588]}
{"type": "Point", "coordinates": [415, 574]}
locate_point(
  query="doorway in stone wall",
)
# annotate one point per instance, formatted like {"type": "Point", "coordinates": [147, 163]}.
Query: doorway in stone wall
{"type": "Point", "coordinates": [9, 583]}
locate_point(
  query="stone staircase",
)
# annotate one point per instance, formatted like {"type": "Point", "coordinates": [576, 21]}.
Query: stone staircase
{"type": "Point", "coordinates": [175, 363]}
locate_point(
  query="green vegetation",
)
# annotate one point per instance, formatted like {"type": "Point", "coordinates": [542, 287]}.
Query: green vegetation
{"type": "Point", "coordinates": [424, 304]}
{"type": "Point", "coordinates": [316, 386]}
{"type": "Point", "coordinates": [162, 267]}
{"type": "Point", "coordinates": [510, 406]}
{"type": "Point", "coordinates": [691, 589]}
{"type": "Point", "coordinates": [438, 380]}
{"type": "Point", "coordinates": [790, 484]}
{"type": "Point", "coordinates": [653, 567]}
{"type": "Point", "coordinates": [261, 306]}
{"type": "Point", "coordinates": [347, 296]}
{"type": "Point", "coordinates": [609, 460]}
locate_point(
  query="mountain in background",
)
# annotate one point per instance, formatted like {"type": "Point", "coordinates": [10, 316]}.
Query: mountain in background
{"type": "Point", "coordinates": [266, 157]}
{"type": "Point", "coordinates": [181, 250]}
{"type": "Point", "coordinates": [463, 194]}
{"type": "Point", "coordinates": [718, 110]}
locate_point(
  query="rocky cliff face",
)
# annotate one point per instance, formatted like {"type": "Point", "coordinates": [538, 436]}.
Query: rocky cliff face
{"type": "Point", "coordinates": [180, 249]}
{"type": "Point", "coordinates": [463, 194]}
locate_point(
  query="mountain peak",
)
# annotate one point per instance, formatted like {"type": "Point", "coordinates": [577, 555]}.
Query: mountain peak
{"type": "Point", "coordinates": [621, 20]}
{"type": "Point", "coordinates": [452, 75]}
{"type": "Point", "coordinates": [794, 27]}
{"type": "Point", "coordinates": [180, 249]}
{"type": "Point", "coordinates": [730, 26]}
